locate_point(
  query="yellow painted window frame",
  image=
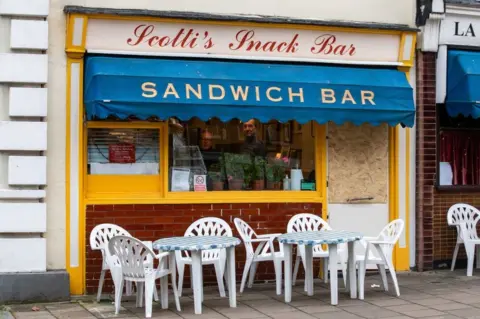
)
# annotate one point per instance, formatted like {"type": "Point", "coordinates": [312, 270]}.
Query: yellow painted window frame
{"type": "Point", "coordinates": [138, 189]}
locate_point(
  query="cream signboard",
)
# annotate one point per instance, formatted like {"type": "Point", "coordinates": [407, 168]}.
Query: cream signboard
{"type": "Point", "coordinates": [240, 42]}
{"type": "Point", "coordinates": [460, 30]}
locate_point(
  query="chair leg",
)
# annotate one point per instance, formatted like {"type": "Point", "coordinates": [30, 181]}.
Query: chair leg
{"type": "Point", "coordinates": [471, 256]}
{"type": "Point", "coordinates": [118, 282]}
{"type": "Point", "coordinates": [277, 263]}
{"type": "Point", "coordinates": [383, 273]}
{"type": "Point", "coordinates": [455, 253]}
{"type": "Point", "coordinates": [394, 277]}
{"type": "Point", "coordinates": [295, 270]}
{"type": "Point", "coordinates": [100, 284]}
{"type": "Point", "coordinates": [246, 269]}
{"type": "Point", "coordinates": [181, 271]}
{"type": "Point", "coordinates": [219, 272]}
{"type": "Point", "coordinates": [253, 271]}
{"type": "Point", "coordinates": [325, 270]}
{"type": "Point", "coordinates": [128, 288]}
{"type": "Point", "coordinates": [361, 280]}
{"type": "Point", "coordinates": [164, 291]}
{"type": "Point", "coordinates": [155, 293]}
{"type": "Point", "coordinates": [149, 287]}
{"type": "Point", "coordinates": [140, 288]}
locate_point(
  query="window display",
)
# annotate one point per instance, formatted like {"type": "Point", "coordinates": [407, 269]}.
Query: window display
{"type": "Point", "coordinates": [123, 151]}
{"type": "Point", "coordinates": [239, 155]}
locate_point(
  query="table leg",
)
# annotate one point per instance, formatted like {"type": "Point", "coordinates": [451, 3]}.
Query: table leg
{"type": "Point", "coordinates": [173, 273]}
{"type": "Point", "coordinates": [352, 280]}
{"type": "Point", "coordinates": [232, 289]}
{"type": "Point", "coordinates": [333, 259]}
{"type": "Point", "coordinates": [309, 268]}
{"type": "Point", "coordinates": [197, 280]}
{"type": "Point", "coordinates": [287, 250]}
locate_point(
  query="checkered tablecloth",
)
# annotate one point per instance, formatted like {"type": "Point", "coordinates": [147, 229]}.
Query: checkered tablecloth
{"type": "Point", "coordinates": [320, 237]}
{"type": "Point", "coordinates": [195, 243]}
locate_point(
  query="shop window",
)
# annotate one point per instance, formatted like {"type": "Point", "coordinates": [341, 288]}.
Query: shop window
{"type": "Point", "coordinates": [241, 156]}
{"type": "Point", "coordinates": [459, 150]}
{"type": "Point", "coordinates": [123, 151]}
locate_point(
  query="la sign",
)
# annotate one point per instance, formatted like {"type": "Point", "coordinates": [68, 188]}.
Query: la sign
{"type": "Point", "coordinates": [238, 42]}
{"type": "Point", "coordinates": [460, 30]}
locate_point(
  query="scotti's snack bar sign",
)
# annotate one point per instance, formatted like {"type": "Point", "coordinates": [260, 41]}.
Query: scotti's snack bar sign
{"type": "Point", "coordinates": [233, 41]}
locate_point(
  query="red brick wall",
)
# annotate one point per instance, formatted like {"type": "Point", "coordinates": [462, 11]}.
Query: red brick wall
{"type": "Point", "coordinates": [151, 222]}
{"type": "Point", "coordinates": [435, 239]}
{"type": "Point", "coordinates": [426, 158]}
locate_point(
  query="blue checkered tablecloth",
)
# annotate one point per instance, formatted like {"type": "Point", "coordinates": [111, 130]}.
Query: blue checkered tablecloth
{"type": "Point", "coordinates": [195, 243]}
{"type": "Point", "coordinates": [320, 237]}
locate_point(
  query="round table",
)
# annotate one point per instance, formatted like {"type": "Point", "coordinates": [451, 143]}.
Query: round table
{"type": "Point", "coordinates": [325, 237]}
{"type": "Point", "coordinates": [196, 245]}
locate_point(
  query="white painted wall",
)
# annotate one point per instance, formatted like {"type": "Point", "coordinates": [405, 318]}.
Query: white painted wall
{"type": "Point", "coordinates": [399, 12]}
{"type": "Point", "coordinates": [23, 134]}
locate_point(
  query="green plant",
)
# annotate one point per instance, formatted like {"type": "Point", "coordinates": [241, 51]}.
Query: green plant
{"type": "Point", "coordinates": [275, 171]}
{"type": "Point", "coordinates": [259, 168]}
{"type": "Point", "coordinates": [234, 165]}
{"type": "Point", "coordinates": [216, 173]}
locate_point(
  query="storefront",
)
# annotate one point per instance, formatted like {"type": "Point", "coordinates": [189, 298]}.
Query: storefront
{"type": "Point", "coordinates": [448, 120]}
{"type": "Point", "coordinates": [170, 120]}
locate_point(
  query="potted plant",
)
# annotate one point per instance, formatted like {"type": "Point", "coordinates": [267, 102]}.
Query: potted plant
{"type": "Point", "coordinates": [275, 173]}
{"type": "Point", "coordinates": [259, 173]}
{"type": "Point", "coordinates": [217, 177]}
{"type": "Point", "coordinates": [233, 168]}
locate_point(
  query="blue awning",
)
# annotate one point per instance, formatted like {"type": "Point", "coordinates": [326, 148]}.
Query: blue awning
{"type": "Point", "coordinates": [162, 88]}
{"type": "Point", "coordinates": [463, 83]}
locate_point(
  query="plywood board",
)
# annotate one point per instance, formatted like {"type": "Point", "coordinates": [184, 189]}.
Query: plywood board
{"type": "Point", "coordinates": [357, 163]}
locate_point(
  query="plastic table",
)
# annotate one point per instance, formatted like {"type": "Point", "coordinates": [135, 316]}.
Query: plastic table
{"type": "Point", "coordinates": [331, 238]}
{"type": "Point", "coordinates": [196, 245]}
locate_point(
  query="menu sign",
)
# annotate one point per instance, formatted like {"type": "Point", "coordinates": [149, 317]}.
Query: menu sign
{"type": "Point", "coordinates": [121, 153]}
{"type": "Point", "coordinates": [233, 41]}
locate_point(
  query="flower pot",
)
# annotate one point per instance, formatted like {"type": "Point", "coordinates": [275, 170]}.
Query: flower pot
{"type": "Point", "coordinates": [217, 185]}
{"type": "Point", "coordinates": [274, 185]}
{"type": "Point", "coordinates": [258, 185]}
{"type": "Point", "coordinates": [235, 184]}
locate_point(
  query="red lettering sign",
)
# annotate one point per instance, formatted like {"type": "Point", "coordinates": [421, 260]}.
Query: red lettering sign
{"type": "Point", "coordinates": [121, 153]}
{"type": "Point", "coordinates": [327, 44]}
{"type": "Point", "coordinates": [183, 38]}
{"type": "Point", "coordinates": [244, 40]}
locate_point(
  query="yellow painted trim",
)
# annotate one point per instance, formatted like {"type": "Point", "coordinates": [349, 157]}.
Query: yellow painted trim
{"type": "Point", "coordinates": [407, 63]}
{"type": "Point", "coordinates": [75, 51]}
{"type": "Point", "coordinates": [77, 274]}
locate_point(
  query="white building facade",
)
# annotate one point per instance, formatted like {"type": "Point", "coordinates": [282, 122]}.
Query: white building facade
{"type": "Point", "coordinates": [42, 200]}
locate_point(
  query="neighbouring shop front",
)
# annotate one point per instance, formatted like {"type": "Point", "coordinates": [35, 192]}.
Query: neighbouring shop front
{"type": "Point", "coordinates": [449, 121]}
{"type": "Point", "coordinates": [171, 120]}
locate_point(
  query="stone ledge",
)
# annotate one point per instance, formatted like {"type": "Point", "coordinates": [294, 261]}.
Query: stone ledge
{"type": "Point", "coordinates": [34, 287]}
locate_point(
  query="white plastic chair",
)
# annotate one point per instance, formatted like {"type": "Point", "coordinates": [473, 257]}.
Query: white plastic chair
{"type": "Point", "coordinates": [311, 222]}
{"type": "Point", "coordinates": [383, 245]}
{"type": "Point", "coordinates": [131, 261]}
{"type": "Point", "coordinates": [466, 214]}
{"type": "Point", "coordinates": [208, 226]}
{"type": "Point", "coordinates": [99, 238]}
{"type": "Point", "coordinates": [265, 251]}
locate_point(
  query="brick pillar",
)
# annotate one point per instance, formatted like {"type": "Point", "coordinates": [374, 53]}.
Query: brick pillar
{"type": "Point", "coordinates": [426, 158]}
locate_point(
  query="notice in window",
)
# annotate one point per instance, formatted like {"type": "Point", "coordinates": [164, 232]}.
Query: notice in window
{"type": "Point", "coordinates": [121, 153]}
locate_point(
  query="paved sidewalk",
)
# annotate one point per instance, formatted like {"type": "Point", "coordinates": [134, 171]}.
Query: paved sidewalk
{"type": "Point", "coordinates": [440, 294]}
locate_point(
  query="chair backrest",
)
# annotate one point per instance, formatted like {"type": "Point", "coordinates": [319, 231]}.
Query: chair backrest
{"type": "Point", "coordinates": [246, 233]}
{"type": "Point", "coordinates": [465, 217]}
{"type": "Point", "coordinates": [306, 222]}
{"type": "Point", "coordinates": [207, 226]}
{"type": "Point", "coordinates": [101, 235]}
{"type": "Point", "coordinates": [392, 231]}
{"type": "Point", "coordinates": [390, 235]}
{"type": "Point", "coordinates": [460, 213]}
{"type": "Point", "coordinates": [132, 255]}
